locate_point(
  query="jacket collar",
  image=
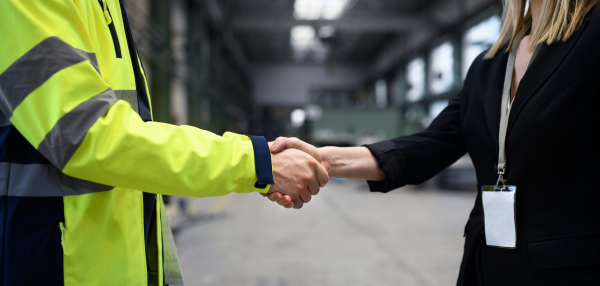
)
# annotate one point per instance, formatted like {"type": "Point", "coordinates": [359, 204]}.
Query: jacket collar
{"type": "Point", "coordinates": [543, 66]}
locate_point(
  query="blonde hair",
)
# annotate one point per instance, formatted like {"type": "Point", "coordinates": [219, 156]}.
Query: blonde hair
{"type": "Point", "coordinates": [558, 21]}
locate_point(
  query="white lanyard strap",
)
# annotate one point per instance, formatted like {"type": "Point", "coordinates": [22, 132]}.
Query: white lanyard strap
{"type": "Point", "coordinates": [505, 109]}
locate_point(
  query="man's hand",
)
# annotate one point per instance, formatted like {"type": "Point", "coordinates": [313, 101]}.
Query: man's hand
{"type": "Point", "coordinates": [280, 145]}
{"type": "Point", "coordinates": [297, 176]}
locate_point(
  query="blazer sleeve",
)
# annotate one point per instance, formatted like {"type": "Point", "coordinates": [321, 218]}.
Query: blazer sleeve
{"type": "Point", "coordinates": [416, 158]}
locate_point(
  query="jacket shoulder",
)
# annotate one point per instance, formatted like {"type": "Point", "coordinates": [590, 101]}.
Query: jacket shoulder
{"type": "Point", "coordinates": [481, 66]}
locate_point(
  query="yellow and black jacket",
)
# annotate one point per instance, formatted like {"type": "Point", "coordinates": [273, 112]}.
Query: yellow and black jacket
{"type": "Point", "coordinates": [80, 158]}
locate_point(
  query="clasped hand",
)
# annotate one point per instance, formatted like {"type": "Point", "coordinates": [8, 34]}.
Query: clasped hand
{"type": "Point", "coordinates": [297, 172]}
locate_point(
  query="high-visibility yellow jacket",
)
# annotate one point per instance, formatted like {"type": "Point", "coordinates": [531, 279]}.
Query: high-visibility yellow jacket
{"type": "Point", "coordinates": [80, 158]}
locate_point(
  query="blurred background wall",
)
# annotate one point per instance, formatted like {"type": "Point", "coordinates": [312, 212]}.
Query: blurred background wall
{"type": "Point", "coordinates": [246, 65]}
{"type": "Point", "coordinates": [332, 72]}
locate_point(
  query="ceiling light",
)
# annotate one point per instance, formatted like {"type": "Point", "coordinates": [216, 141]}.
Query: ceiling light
{"type": "Point", "coordinates": [319, 9]}
{"type": "Point", "coordinates": [303, 42]}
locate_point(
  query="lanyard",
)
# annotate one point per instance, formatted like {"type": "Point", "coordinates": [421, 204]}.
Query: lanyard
{"type": "Point", "coordinates": [505, 109]}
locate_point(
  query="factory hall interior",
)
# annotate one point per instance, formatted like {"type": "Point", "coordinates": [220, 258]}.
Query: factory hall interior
{"type": "Point", "coordinates": [299, 142]}
{"type": "Point", "coordinates": [332, 73]}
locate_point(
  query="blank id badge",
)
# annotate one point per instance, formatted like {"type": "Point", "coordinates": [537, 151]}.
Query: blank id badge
{"type": "Point", "coordinates": [499, 215]}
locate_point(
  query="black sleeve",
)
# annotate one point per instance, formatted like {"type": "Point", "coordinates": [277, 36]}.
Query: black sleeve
{"type": "Point", "coordinates": [416, 158]}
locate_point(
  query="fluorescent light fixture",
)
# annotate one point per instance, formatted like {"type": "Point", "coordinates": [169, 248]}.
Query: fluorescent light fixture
{"type": "Point", "coordinates": [319, 9]}
{"type": "Point", "coordinates": [304, 42]}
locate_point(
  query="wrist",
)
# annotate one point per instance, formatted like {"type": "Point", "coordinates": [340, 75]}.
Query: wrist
{"type": "Point", "coordinates": [330, 161]}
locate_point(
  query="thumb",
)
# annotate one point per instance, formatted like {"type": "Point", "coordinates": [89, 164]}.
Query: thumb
{"type": "Point", "coordinates": [304, 147]}
{"type": "Point", "coordinates": [279, 145]}
{"type": "Point", "coordinates": [282, 143]}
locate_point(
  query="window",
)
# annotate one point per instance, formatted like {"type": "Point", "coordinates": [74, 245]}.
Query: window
{"type": "Point", "coordinates": [415, 79]}
{"type": "Point", "coordinates": [441, 72]}
{"type": "Point", "coordinates": [381, 93]}
{"type": "Point", "coordinates": [478, 39]}
{"type": "Point", "coordinates": [436, 108]}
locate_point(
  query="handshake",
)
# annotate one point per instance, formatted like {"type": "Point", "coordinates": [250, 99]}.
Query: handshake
{"type": "Point", "coordinates": [298, 172]}
{"type": "Point", "coordinates": [301, 169]}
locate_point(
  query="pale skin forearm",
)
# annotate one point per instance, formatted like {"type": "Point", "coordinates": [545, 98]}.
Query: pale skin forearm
{"type": "Point", "coordinates": [352, 163]}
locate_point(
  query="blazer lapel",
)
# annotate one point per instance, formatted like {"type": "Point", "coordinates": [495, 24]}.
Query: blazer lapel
{"type": "Point", "coordinates": [493, 94]}
{"type": "Point", "coordinates": [543, 66]}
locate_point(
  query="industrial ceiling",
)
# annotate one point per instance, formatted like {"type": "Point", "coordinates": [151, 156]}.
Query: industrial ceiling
{"type": "Point", "coordinates": [369, 31]}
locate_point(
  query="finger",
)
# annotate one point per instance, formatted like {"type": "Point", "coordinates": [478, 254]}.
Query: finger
{"type": "Point", "coordinates": [287, 199]}
{"type": "Point", "coordinates": [275, 196]}
{"type": "Point", "coordinates": [292, 196]}
{"type": "Point", "coordinates": [296, 143]}
{"type": "Point", "coordinates": [263, 194]}
{"type": "Point", "coordinates": [305, 195]}
{"type": "Point", "coordinates": [298, 204]}
{"type": "Point", "coordinates": [321, 175]}
{"type": "Point", "coordinates": [313, 186]}
{"type": "Point", "coordinates": [284, 200]}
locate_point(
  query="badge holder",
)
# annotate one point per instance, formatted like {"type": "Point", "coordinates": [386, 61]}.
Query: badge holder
{"type": "Point", "coordinates": [499, 214]}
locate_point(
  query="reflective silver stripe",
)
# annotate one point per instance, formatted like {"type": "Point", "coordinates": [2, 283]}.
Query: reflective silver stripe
{"type": "Point", "coordinates": [36, 67]}
{"type": "Point", "coordinates": [68, 133]}
{"type": "Point", "coordinates": [171, 267]}
{"type": "Point", "coordinates": [36, 180]}
{"type": "Point", "coordinates": [90, 57]}
{"type": "Point", "coordinates": [130, 96]}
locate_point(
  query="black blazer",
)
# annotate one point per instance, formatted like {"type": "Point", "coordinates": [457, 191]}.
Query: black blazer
{"type": "Point", "coordinates": [553, 157]}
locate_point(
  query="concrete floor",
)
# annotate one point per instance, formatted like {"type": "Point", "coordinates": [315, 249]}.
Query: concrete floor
{"type": "Point", "coordinates": [345, 236]}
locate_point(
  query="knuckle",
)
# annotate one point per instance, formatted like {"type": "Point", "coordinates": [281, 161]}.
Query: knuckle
{"type": "Point", "coordinates": [307, 177]}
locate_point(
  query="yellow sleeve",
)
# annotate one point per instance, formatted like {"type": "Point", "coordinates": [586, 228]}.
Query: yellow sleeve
{"type": "Point", "coordinates": [53, 94]}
